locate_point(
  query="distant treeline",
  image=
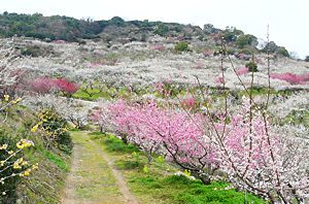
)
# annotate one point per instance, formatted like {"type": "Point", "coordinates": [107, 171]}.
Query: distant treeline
{"type": "Point", "coordinates": [53, 28]}
{"type": "Point", "coordinates": [68, 28]}
{"type": "Point", "coordinates": [72, 30]}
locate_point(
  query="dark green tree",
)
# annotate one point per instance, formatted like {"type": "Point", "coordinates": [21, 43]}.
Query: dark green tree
{"type": "Point", "coordinates": [246, 41]}
{"type": "Point", "coordinates": [252, 66]}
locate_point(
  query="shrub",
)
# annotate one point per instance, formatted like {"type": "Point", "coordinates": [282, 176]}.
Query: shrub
{"type": "Point", "coordinates": [245, 51]}
{"type": "Point", "coordinates": [168, 89]}
{"type": "Point", "coordinates": [37, 51]}
{"type": "Point", "coordinates": [13, 165]}
{"type": "Point", "coordinates": [283, 51]}
{"type": "Point", "coordinates": [182, 46]}
{"type": "Point", "coordinates": [230, 51]}
{"type": "Point", "coordinates": [271, 47]}
{"type": "Point", "coordinates": [246, 40]}
{"type": "Point", "coordinates": [117, 21]}
{"type": "Point", "coordinates": [230, 34]}
{"type": "Point", "coordinates": [252, 67]}
{"type": "Point", "coordinates": [161, 29]}
{"type": "Point", "coordinates": [55, 128]}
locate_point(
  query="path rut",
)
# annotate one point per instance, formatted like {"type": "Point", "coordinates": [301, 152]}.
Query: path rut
{"type": "Point", "coordinates": [93, 178]}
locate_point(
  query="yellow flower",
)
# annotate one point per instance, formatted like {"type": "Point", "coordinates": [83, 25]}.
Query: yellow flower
{"type": "Point", "coordinates": [6, 97]}
{"type": "Point", "coordinates": [10, 152]}
{"type": "Point", "coordinates": [4, 147]}
{"type": "Point", "coordinates": [17, 100]}
{"type": "Point", "coordinates": [24, 163]}
{"type": "Point", "coordinates": [27, 172]}
{"type": "Point", "coordinates": [24, 143]}
{"type": "Point", "coordinates": [34, 128]}
{"type": "Point", "coordinates": [20, 145]}
{"type": "Point", "coordinates": [35, 166]}
{"type": "Point", "coordinates": [17, 163]}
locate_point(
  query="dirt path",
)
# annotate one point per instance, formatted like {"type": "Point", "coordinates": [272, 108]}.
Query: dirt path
{"type": "Point", "coordinates": [93, 178]}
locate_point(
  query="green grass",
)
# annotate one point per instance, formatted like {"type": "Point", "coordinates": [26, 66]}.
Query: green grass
{"type": "Point", "coordinates": [159, 184]}
{"type": "Point", "coordinates": [127, 165]}
{"type": "Point", "coordinates": [260, 91]}
{"type": "Point", "coordinates": [297, 117]}
{"type": "Point", "coordinates": [124, 92]}
{"type": "Point", "coordinates": [97, 135]}
{"type": "Point", "coordinates": [179, 189]}
{"type": "Point", "coordinates": [57, 160]}
{"type": "Point", "coordinates": [96, 94]}
{"type": "Point", "coordinates": [113, 144]}
{"type": "Point", "coordinates": [107, 94]}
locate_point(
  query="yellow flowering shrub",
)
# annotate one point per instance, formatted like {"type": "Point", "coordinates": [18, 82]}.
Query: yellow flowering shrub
{"type": "Point", "coordinates": [13, 165]}
{"type": "Point", "coordinates": [55, 130]}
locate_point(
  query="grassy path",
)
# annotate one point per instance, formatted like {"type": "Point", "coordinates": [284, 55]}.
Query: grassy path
{"type": "Point", "coordinates": [93, 178]}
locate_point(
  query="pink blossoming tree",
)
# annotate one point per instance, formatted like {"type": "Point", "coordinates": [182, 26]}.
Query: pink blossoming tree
{"type": "Point", "coordinates": [291, 78]}
{"type": "Point", "coordinates": [46, 85]}
{"type": "Point", "coordinates": [170, 132]}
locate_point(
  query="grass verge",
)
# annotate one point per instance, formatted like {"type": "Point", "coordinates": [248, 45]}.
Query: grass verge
{"type": "Point", "coordinates": [157, 182]}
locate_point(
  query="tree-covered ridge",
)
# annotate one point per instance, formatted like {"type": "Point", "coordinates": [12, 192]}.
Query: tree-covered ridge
{"type": "Point", "coordinates": [69, 29]}
{"type": "Point", "coordinates": [72, 30]}
{"type": "Point", "coordinates": [54, 27]}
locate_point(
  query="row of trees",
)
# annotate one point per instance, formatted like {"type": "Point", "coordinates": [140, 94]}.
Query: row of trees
{"type": "Point", "coordinates": [242, 148]}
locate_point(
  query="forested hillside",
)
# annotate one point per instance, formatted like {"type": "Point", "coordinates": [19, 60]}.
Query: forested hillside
{"type": "Point", "coordinates": [72, 30]}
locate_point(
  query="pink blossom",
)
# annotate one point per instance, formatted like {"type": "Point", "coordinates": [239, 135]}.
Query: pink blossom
{"type": "Point", "coordinates": [291, 78]}
{"type": "Point", "coordinates": [242, 71]}
{"type": "Point", "coordinates": [188, 103]}
{"type": "Point", "coordinates": [219, 80]}
{"type": "Point", "coordinates": [46, 85]}
{"type": "Point", "coordinates": [42, 85]}
{"type": "Point", "coordinates": [152, 128]}
{"type": "Point", "coordinates": [199, 65]}
{"type": "Point", "coordinates": [245, 149]}
{"type": "Point", "coordinates": [65, 86]}
{"type": "Point", "coordinates": [158, 47]}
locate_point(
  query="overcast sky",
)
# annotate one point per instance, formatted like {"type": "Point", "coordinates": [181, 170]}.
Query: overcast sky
{"type": "Point", "coordinates": [287, 18]}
